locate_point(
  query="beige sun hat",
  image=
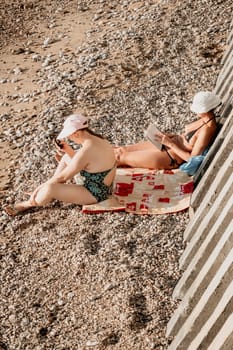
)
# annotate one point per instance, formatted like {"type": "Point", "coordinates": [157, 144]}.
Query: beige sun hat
{"type": "Point", "coordinates": [204, 101]}
{"type": "Point", "coordinates": [73, 123]}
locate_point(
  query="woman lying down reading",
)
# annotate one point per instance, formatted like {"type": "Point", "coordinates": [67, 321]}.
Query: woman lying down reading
{"type": "Point", "coordinates": [176, 149]}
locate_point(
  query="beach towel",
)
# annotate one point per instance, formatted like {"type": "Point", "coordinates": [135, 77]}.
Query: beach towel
{"type": "Point", "coordinates": [145, 191]}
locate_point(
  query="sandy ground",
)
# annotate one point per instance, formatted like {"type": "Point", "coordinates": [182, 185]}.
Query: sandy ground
{"type": "Point", "coordinates": [70, 29]}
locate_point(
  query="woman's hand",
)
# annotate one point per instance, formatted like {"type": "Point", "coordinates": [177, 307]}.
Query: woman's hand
{"type": "Point", "coordinates": [63, 147]}
{"type": "Point", "coordinates": [164, 139]}
{"type": "Point", "coordinates": [171, 140]}
{"type": "Point", "coordinates": [167, 141]}
{"type": "Point", "coordinates": [176, 144]}
{"type": "Point", "coordinates": [60, 145]}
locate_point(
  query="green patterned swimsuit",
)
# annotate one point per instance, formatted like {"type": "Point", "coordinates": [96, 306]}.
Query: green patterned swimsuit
{"type": "Point", "coordinates": [94, 183]}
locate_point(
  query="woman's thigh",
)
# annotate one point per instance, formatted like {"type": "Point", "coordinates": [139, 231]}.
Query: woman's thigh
{"type": "Point", "coordinates": [140, 146]}
{"type": "Point", "coordinates": [71, 193]}
{"type": "Point", "coordinates": [147, 159]}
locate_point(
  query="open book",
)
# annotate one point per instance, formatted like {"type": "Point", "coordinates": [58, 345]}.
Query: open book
{"type": "Point", "coordinates": [150, 133]}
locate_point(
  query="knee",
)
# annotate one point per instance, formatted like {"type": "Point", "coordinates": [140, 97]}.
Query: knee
{"type": "Point", "coordinates": [51, 190]}
{"type": "Point", "coordinates": [47, 188]}
{"type": "Point", "coordinates": [45, 194]}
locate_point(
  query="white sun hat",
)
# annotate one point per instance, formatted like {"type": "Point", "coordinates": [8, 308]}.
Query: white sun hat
{"type": "Point", "coordinates": [73, 123]}
{"type": "Point", "coordinates": [204, 101]}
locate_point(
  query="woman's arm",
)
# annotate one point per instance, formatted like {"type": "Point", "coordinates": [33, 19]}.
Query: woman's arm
{"type": "Point", "coordinates": [203, 139]}
{"type": "Point", "coordinates": [176, 147]}
{"type": "Point", "coordinates": [198, 143]}
{"type": "Point", "coordinates": [77, 163]}
{"type": "Point", "coordinates": [193, 126]}
{"type": "Point", "coordinates": [65, 148]}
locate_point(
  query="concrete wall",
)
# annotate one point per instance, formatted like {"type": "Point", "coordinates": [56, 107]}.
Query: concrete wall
{"type": "Point", "coordinates": [204, 318]}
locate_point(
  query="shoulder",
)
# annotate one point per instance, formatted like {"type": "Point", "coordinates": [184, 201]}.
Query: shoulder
{"type": "Point", "coordinates": [99, 143]}
{"type": "Point", "coordinates": [82, 152]}
{"type": "Point", "coordinates": [211, 128]}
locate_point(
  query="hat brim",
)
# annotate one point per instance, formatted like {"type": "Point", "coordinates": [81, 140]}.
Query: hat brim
{"type": "Point", "coordinates": [65, 133]}
{"type": "Point", "coordinates": [196, 109]}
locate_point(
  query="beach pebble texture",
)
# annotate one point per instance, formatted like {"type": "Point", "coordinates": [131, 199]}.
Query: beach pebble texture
{"type": "Point", "coordinates": [71, 281]}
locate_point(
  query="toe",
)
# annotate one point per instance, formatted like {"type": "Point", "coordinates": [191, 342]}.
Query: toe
{"type": "Point", "coordinates": [10, 210]}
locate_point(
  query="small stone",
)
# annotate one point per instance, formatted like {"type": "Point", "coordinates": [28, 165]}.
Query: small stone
{"type": "Point", "coordinates": [18, 51]}
{"type": "Point", "coordinates": [43, 331]}
{"type": "Point", "coordinates": [92, 343]}
{"type": "Point", "coordinates": [17, 70]}
{"type": "Point", "coordinates": [47, 42]}
{"type": "Point", "coordinates": [12, 318]}
{"type": "Point", "coordinates": [25, 322]}
{"type": "Point", "coordinates": [36, 57]}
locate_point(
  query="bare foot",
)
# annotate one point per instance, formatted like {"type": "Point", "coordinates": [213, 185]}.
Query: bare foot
{"type": "Point", "coordinates": [15, 209]}
{"type": "Point", "coordinates": [119, 152]}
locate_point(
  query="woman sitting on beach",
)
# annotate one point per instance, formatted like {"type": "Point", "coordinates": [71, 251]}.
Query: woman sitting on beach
{"type": "Point", "coordinates": [176, 149]}
{"type": "Point", "coordinates": [95, 161]}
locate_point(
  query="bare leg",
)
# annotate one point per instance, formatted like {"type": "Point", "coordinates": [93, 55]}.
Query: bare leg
{"type": "Point", "coordinates": [63, 161]}
{"type": "Point", "coordinates": [140, 146]}
{"type": "Point", "coordinates": [152, 159]}
{"type": "Point", "coordinates": [121, 152]}
{"type": "Point", "coordinates": [15, 209]}
{"type": "Point", "coordinates": [68, 193]}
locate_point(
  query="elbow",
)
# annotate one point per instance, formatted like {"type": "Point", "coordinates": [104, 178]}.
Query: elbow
{"type": "Point", "coordinates": [188, 157]}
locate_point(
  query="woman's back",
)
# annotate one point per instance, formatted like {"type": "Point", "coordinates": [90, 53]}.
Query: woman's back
{"type": "Point", "coordinates": [100, 154]}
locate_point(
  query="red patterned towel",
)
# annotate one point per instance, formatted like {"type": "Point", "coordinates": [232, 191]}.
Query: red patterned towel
{"type": "Point", "coordinates": [145, 191]}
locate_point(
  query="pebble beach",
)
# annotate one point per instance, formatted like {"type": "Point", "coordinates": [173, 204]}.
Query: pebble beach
{"type": "Point", "coordinates": [73, 281]}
